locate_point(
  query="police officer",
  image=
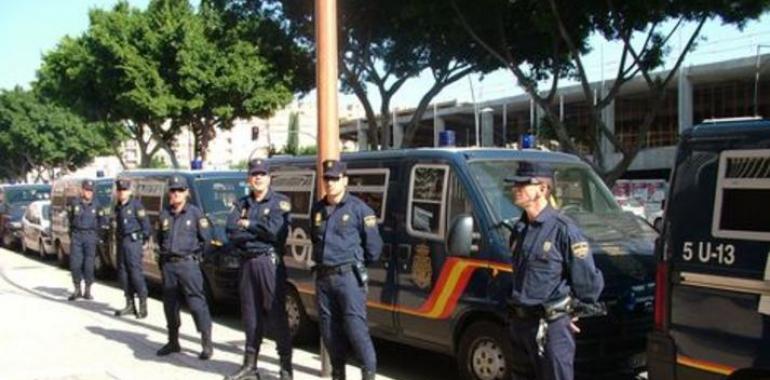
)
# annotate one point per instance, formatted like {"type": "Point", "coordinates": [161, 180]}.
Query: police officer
{"type": "Point", "coordinates": [553, 265]}
{"type": "Point", "coordinates": [184, 235]}
{"type": "Point", "coordinates": [132, 229]}
{"type": "Point", "coordinates": [86, 220]}
{"type": "Point", "coordinates": [345, 239]}
{"type": "Point", "coordinates": [258, 227]}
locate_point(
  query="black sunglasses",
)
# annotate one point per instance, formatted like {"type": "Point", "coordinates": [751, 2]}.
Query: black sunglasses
{"type": "Point", "coordinates": [177, 190]}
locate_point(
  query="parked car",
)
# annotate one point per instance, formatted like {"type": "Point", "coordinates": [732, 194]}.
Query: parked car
{"type": "Point", "coordinates": [14, 200]}
{"type": "Point", "coordinates": [631, 205]}
{"type": "Point", "coordinates": [36, 229]}
{"type": "Point", "coordinates": [64, 191]}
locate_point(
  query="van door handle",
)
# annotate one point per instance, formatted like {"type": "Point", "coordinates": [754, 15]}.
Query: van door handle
{"type": "Point", "coordinates": [404, 251]}
{"type": "Point", "coordinates": [386, 255]}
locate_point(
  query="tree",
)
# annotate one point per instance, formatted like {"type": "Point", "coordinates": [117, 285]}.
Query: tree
{"type": "Point", "coordinates": [111, 74]}
{"type": "Point", "coordinates": [159, 70]}
{"type": "Point", "coordinates": [384, 44]}
{"type": "Point", "coordinates": [37, 137]}
{"type": "Point", "coordinates": [546, 41]}
{"type": "Point", "coordinates": [292, 141]}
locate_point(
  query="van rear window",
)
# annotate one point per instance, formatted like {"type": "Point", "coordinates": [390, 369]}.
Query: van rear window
{"type": "Point", "coordinates": [741, 207]}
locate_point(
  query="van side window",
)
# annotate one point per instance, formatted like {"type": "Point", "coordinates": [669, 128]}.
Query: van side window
{"type": "Point", "coordinates": [299, 186]}
{"type": "Point", "coordinates": [371, 186]}
{"type": "Point", "coordinates": [741, 201]}
{"type": "Point", "coordinates": [459, 202]}
{"type": "Point", "coordinates": [427, 197]}
{"type": "Point", "coordinates": [151, 194]}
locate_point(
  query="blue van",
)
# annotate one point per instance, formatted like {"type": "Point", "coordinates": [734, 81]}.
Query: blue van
{"type": "Point", "coordinates": [712, 307]}
{"type": "Point", "coordinates": [424, 295]}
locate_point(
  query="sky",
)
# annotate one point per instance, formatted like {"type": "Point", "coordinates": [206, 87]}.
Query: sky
{"type": "Point", "coordinates": [30, 28]}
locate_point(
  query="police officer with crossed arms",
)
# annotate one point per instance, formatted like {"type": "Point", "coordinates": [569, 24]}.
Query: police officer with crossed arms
{"type": "Point", "coordinates": [132, 229]}
{"type": "Point", "coordinates": [184, 235]}
{"type": "Point", "coordinates": [86, 219]}
{"type": "Point", "coordinates": [345, 239]}
{"type": "Point", "coordinates": [553, 266]}
{"type": "Point", "coordinates": [258, 227]}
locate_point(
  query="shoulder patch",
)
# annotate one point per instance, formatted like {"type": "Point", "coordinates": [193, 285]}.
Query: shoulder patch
{"type": "Point", "coordinates": [140, 213]}
{"type": "Point", "coordinates": [165, 224]}
{"type": "Point", "coordinates": [285, 206]}
{"type": "Point", "coordinates": [318, 219]}
{"type": "Point", "coordinates": [580, 250]}
{"type": "Point", "coordinates": [370, 221]}
{"type": "Point", "coordinates": [203, 223]}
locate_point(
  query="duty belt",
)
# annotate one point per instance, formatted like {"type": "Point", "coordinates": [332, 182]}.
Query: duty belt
{"type": "Point", "coordinates": [250, 254]}
{"type": "Point", "coordinates": [177, 258]}
{"type": "Point", "coordinates": [325, 270]}
{"type": "Point", "coordinates": [527, 312]}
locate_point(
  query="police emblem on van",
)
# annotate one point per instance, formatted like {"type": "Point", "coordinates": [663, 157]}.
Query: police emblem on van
{"type": "Point", "coordinates": [422, 270]}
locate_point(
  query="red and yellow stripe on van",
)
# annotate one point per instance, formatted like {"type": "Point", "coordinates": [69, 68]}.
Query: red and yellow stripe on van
{"type": "Point", "coordinates": [704, 365]}
{"type": "Point", "coordinates": [451, 284]}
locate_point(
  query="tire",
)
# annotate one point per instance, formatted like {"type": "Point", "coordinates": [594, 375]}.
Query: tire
{"type": "Point", "coordinates": [100, 270]}
{"type": "Point", "coordinates": [485, 352]}
{"type": "Point", "coordinates": [301, 328]}
{"type": "Point", "coordinates": [61, 258]}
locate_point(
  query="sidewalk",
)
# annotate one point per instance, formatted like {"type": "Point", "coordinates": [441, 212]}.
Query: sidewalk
{"type": "Point", "coordinates": [44, 336]}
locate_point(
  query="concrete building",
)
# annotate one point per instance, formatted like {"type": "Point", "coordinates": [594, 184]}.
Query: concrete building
{"type": "Point", "coordinates": [733, 88]}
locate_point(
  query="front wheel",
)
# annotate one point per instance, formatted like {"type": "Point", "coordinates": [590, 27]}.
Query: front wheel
{"type": "Point", "coordinates": [300, 326]}
{"type": "Point", "coordinates": [485, 352]}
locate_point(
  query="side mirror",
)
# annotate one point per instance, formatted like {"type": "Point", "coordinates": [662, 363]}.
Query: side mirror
{"type": "Point", "coordinates": [460, 237]}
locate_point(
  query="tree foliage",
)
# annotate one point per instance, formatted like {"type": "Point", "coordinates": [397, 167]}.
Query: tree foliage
{"type": "Point", "coordinates": [36, 136]}
{"type": "Point", "coordinates": [547, 40]}
{"type": "Point", "coordinates": [382, 45]}
{"type": "Point", "coordinates": [163, 68]}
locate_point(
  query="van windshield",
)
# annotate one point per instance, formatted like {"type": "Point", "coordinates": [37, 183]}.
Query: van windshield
{"type": "Point", "coordinates": [578, 191]}
{"type": "Point", "coordinates": [26, 196]}
{"type": "Point", "coordinates": [217, 196]}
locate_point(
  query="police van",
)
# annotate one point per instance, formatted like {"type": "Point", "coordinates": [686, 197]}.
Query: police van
{"type": "Point", "coordinates": [63, 192]}
{"type": "Point", "coordinates": [712, 307]}
{"type": "Point", "coordinates": [214, 192]}
{"type": "Point", "coordinates": [445, 291]}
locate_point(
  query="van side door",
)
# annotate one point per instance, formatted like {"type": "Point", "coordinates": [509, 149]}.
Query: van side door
{"type": "Point", "coordinates": [377, 186]}
{"type": "Point", "coordinates": [153, 195]}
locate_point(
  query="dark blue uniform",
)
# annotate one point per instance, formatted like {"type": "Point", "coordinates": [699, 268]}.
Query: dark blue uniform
{"type": "Point", "coordinates": [183, 236]}
{"type": "Point", "coordinates": [552, 261]}
{"type": "Point", "coordinates": [345, 238]}
{"type": "Point", "coordinates": [86, 221]}
{"type": "Point", "coordinates": [132, 230]}
{"type": "Point", "coordinates": [263, 282]}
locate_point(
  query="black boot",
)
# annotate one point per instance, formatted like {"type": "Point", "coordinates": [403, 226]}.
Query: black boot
{"type": "Point", "coordinates": [248, 370]}
{"type": "Point", "coordinates": [129, 309]}
{"type": "Point", "coordinates": [367, 375]}
{"type": "Point", "coordinates": [286, 371]}
{"type": "Point", "coordinates": [76, 294]}
{"type": "Point", "coordinates": [142, 312]}
{"type": "Point", "coordinates": [87, 295]}
{"type": "Point", "coordinates": [208, 346]}
{"type": "Point", "coordinates": [172, 345]}
{"type": "Point", "coordinates": [338, 373]}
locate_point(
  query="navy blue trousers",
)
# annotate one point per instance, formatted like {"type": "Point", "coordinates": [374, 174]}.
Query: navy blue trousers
{"type": "Point", "coordinates": [130, 272]}
{"type": "Point", "coordinates": [342, 319]}
{"type": "Point", "coordinates": [557, 363]}
{"type": "Point", "coordinates": [184, 280]}
{"type": "Point", "coordinates": [82, 254]}
{"type": "Point", "coordinates": [263, 301]}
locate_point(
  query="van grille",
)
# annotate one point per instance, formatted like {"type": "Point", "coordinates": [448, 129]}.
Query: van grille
{"type": "Point", "coordinates": [748, 167]}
